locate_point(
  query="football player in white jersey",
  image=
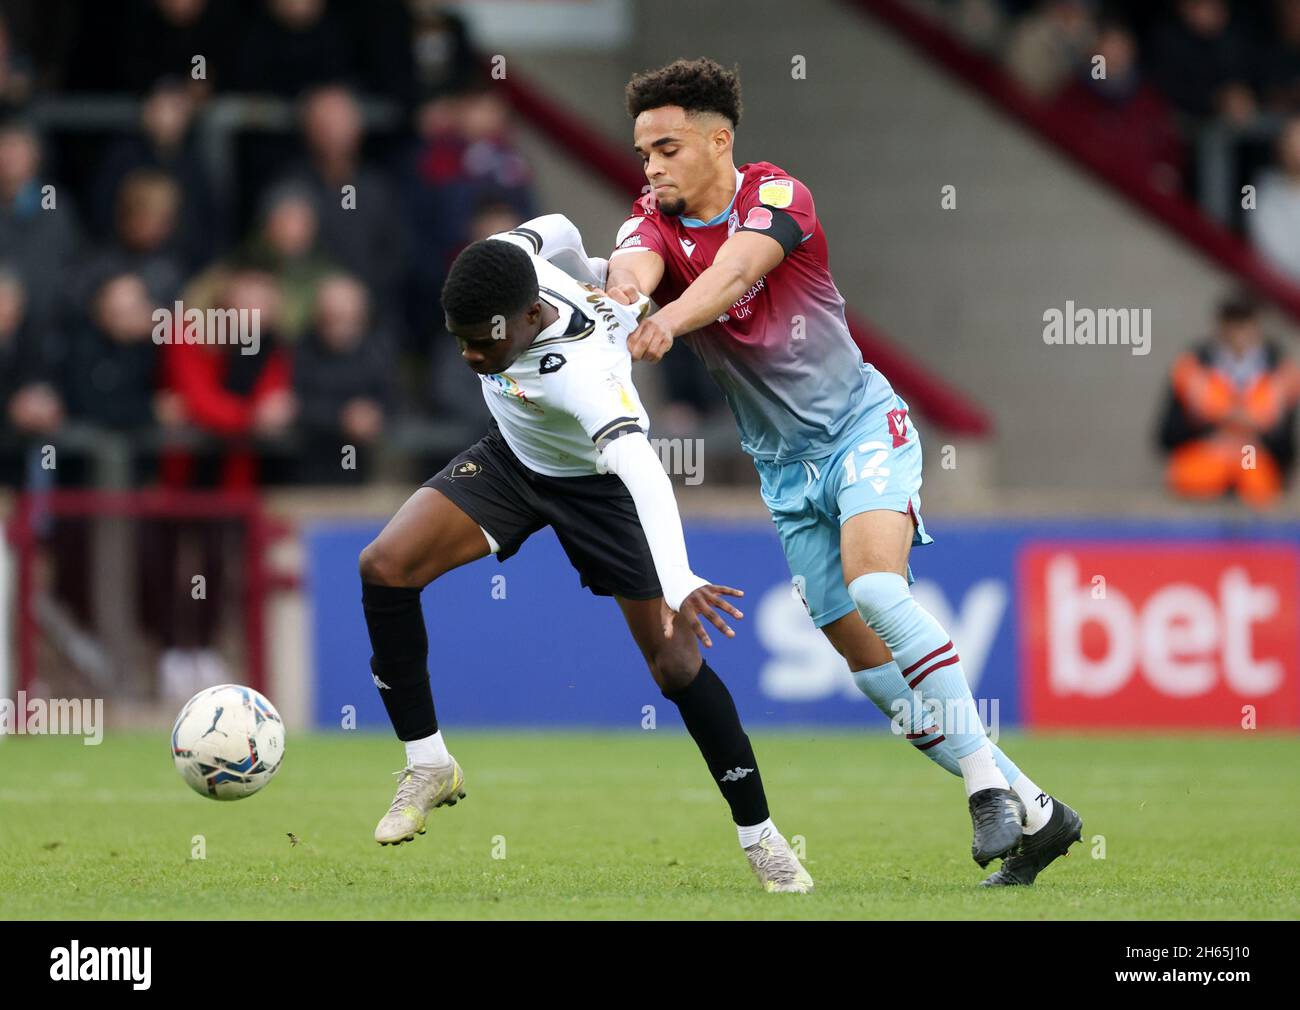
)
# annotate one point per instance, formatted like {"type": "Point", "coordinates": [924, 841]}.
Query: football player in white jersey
{"type": "Point", "coordinates": [568, 448]}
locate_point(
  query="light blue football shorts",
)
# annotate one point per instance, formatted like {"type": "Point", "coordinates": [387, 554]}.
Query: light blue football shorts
{"type": "Point", "coordinates": [878, 466]}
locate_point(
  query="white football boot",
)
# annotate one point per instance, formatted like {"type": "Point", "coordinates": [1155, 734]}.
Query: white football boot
{"type": "Point", "coordinates": [776, 865]}
{"type": "Point", "coordinates": [420, 788]}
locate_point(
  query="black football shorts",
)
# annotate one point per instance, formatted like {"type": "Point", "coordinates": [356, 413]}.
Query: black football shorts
{"type": "Point", "coordinates": [593, 516]}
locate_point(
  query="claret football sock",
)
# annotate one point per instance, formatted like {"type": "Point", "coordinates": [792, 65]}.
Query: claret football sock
{"type": "Point", "coordinates": [399, 665]}
{"type": "Point", "coordinates": [711, 718]}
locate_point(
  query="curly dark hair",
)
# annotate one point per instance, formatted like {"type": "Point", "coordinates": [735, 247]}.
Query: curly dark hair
{"type": "Point", "coordinates": [702, 85]}
{"type": "Point", "coordinates": [489, 278]}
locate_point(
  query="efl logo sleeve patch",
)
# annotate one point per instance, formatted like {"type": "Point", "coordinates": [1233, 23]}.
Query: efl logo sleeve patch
{"type": "Point", "coordinates": [776, 193]}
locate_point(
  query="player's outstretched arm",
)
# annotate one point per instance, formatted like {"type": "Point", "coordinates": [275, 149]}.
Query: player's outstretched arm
{"type": "Point", "coordinates": [633, 273]}
{"type": "Point", "coordinates": [633, 459]}
{"type": "Point", "coordinates": [742, 260]}
{"type": "Point", "coordinates": [555, 238]}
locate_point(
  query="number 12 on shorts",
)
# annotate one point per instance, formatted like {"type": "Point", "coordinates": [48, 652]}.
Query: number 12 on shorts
{"type": "Point", "coordinates": [865, 464]}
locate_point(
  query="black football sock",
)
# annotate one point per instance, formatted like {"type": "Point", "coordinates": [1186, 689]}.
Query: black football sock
{"type": "Point", "coordinates": [710, 716]}
{"type": "Point", "coordinates": [401, 658]}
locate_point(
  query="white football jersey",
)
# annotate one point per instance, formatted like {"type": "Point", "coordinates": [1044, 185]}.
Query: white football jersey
{"type": "Point", "coordinates": [571, 391]}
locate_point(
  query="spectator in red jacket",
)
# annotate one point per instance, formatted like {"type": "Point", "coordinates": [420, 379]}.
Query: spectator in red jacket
{"type": "Point", "coordinates": [222, 390]}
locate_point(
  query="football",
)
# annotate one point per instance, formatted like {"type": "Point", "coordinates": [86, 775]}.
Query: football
{"type": "Point", "coordinates": [228, 742]}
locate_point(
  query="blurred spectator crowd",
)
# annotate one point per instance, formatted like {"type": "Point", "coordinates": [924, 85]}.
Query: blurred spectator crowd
{"type": "Point", "coordinates": [337, 228]}
{"type": "Point", "coordinates": [1172, 69]}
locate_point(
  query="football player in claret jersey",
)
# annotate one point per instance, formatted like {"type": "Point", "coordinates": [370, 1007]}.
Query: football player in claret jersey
{"type": "Point", "coordinates": [737, 260]}
{"type": "Point", "coordinates": [568, 449]}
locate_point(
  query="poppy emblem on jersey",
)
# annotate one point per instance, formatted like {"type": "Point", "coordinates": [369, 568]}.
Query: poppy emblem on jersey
{"type": "Point", "coordinates": [898, 426]}
{"type": "Point", "coordinates": [551, 363]}
{"type": "Point", "coordinates": [759, 219]}
{"type": "Point", "coordinates": [467, 469]}
{"type": "Point", "coordinates": [777, 193]}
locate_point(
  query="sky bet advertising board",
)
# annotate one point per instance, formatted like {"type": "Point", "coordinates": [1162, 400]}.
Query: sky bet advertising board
{"type": "Point", "coordinates": [1059, 626]}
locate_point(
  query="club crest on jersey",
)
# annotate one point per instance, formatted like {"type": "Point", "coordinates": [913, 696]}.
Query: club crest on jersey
{"type": "Point", "coordinates": [551, 363]}
{"type": "Point", "coordinates": [733, 222]}
{"type": "Point", "coordinates": [898, 426]}
{"type": "Point", "coordinates": [776, 193]}
{"type": "Point", "coordinates": [466, 469]}
{"type": "Point", "coordinates": [759, 219]}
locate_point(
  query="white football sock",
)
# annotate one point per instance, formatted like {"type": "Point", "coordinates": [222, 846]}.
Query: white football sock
{"type": "Point", "coordinates": [750, 835]}
{"type": "Point", "coordinates": [1038, 805]}
{"type": "Point", "coordinates": [427, 751]}
{"type": "Point", "coordinates": [980, 771]}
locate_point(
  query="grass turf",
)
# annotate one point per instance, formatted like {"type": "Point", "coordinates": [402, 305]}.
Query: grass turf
{"type": "Point", "coordinates": [626, 825]}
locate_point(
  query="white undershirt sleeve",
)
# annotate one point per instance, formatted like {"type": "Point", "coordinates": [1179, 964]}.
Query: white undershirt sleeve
{"type": "Point", "coordinates": [556, 239]}
{"type": "Point", "coordinates": [633, 459]}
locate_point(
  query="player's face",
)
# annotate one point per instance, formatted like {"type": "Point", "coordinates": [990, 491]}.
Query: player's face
{"type": "Point", "coordinates": [492, 347]}
{"type": "Point", "coordinates": [676, 155]}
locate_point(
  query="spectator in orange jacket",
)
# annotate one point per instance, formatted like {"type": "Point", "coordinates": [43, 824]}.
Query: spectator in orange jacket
{"type": "Point", "coordinates": [1229, 424]}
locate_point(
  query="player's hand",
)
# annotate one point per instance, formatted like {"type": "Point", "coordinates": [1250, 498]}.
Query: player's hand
{"type": "Point", "coordinates": [624, 294]}
{"type": "Point", "coordinates": [701, 603]}
{"type": "Point", "coordinates": [650, 341]}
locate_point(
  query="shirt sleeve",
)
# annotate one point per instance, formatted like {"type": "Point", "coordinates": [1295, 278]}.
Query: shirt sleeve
{"type": "Point", "coordinates": [557, 240]}
{"type": "Point", "coordinates": [780, 207]}
{"type": "Point", "coordinates": [638, 234]}
{"type": "Point", "coordinates": [636, 464]}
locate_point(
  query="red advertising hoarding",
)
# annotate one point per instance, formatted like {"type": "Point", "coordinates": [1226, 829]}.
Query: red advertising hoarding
{"type": "Point", "coordinates": [1189, 634]}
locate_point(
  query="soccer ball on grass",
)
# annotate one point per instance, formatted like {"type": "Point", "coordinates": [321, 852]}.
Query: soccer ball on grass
{"type": "Point", "coordinates": [228, 742]}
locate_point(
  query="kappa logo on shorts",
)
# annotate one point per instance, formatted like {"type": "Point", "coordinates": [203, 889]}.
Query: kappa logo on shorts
{"type": "Point", "coordinates": [466, 469]}
{"type": "Point", "coordinates": [551, 363]}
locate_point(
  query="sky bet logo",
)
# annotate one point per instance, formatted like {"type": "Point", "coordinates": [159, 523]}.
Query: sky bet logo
{"type": "Point", "coordinates": [102, 964]}
{"type": "Point", "coordinates": [1189, 634]}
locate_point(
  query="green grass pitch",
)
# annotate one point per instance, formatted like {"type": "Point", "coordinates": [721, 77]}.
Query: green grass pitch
{"type": "Point", "coordinates": [628, 825]}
